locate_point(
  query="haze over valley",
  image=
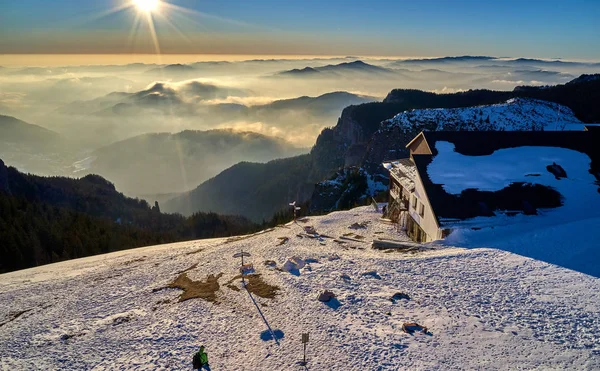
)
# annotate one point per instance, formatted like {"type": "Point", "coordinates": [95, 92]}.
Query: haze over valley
{"type": "Point", "coordinates": [180, 124]}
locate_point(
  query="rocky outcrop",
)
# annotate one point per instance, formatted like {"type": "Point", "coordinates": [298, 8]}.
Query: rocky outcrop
{"type": "Point", "coordinates": [347, 188]}
{"type": "Point", "coordinates": [389, 142]}
{"type": "Point", "coordinates": [4, 178]}
{"type": "Point", "coordinates": [345, 144]}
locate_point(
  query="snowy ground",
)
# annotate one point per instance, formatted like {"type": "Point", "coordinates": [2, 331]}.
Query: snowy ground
{"type": "Point", "coordinates": [563, 235]}
{"type": "Point", "coordinates": [485, 308]}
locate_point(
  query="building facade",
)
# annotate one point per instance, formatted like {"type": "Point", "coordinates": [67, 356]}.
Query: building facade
{"type": "Point", "coordinates": [427, 212]}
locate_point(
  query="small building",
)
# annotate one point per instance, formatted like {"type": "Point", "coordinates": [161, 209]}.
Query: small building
{"type": "Point", "coordinates": [509, 184]}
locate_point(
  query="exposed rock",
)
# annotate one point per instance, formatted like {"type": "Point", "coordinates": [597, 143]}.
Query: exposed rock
{"type": "Point", "coordinates": [412, 327]}
{"type": "Point", "coordinates": [344, 190]}
{"type": "Point", "coordinates": [326, 296]}
{"type": "Point", "coordinates": [399, 296]}
{"type": "Point", "coordinates": [557, 170]}
{"type": "Point", "coordinates": [361, 225]}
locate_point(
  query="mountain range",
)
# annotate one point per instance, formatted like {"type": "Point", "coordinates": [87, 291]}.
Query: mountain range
{"type": "Point", "coordinates": [191, 96]}
{"type": "Point", "coordinates": [346, 69]}
{"type": "Point", "coordinates": [50, 219]}
{"type": "Point", "coordinates": [488, 60]}
{"type": "Point", "coordinates": [352, 143]}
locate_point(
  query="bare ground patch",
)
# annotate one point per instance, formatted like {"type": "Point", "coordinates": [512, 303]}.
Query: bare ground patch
{"type": "Point", "coordinates": [188, 269]}
{"type": "Point", "coordinates": [14, 315]}
{"type": "Point", "coordinates": [135, 261]}
{"type": "Point", "coordinates": [241, 238]}
{"type": "Point", "coordinates": [205, 290]}
{"type": "Point", "coordinates": [257, 286]}
{"type": "Point", "coordinates": [194, 252]}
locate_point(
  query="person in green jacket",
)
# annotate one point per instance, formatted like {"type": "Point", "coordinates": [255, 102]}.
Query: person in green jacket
{"type": "Point", "coordinates": [200, 360]}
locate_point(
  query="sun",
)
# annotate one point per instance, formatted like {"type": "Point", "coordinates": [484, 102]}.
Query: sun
{"type": "Point", "coordinates": [147, 6]}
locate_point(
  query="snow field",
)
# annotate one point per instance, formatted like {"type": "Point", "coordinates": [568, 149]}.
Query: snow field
{"type": "Point", "coordinates": [485, 308]}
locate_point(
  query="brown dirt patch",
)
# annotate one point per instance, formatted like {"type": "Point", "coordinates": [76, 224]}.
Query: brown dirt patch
{"type": "Point", "coordinates": [233, 287]}
{"type": "Point", "coordinates": [257, 286]}
{"type": "Point", "coordinates": [205, 290]}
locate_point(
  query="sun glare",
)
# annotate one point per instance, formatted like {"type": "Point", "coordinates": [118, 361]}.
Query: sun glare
{"type": "Point", "coordinates": [147, 6]}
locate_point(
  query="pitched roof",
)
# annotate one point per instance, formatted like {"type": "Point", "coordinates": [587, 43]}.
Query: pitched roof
{"type": "Point", "coordinates": [520, 197]}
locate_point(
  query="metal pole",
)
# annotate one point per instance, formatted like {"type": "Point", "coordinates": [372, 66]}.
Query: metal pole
{"type": "Point", "coordinates": [242, 271]}
{"type": "Point", "coordinates": [304, 353]}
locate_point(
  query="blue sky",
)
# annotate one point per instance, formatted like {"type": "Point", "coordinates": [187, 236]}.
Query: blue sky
{"type": "Point", "coordinates": [549, 29]}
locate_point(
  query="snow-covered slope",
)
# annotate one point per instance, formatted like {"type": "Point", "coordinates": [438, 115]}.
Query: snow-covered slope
{"type": "Point", "coordinates": [562, 235]}
{"type": "Point", "coordinates": [484, 308]}
{"type": "Point", "coordinates": [514, 114]}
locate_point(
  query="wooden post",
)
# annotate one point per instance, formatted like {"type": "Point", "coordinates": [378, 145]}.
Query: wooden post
{"type": "Point", "coordinates": [304, 341]}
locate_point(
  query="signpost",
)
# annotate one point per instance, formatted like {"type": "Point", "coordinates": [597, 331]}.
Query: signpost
{"type": "Point", "coordinates": [241, 254]}
{"type": "Point", "coordinates": [304, 341]}
{"type": "Point", "coordinates": [294, 208]}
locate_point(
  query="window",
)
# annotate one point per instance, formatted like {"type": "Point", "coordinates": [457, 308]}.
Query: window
{"type": "Point", "coordinates": [413, 202]}
{"type": "Point", "coordinates": [421, 209]}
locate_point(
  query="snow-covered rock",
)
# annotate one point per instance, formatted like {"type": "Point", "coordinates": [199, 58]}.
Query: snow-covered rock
{"type": "Point", "coordinates": [293, 264]}
{"type": "Point", "coordinates": [514, 114]}
{"type": "Point", "coordinates": [389, 142]}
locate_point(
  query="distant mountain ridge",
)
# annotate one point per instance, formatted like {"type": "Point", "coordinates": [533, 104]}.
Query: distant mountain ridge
{"type": "Point", "coordinates": [488, 61]}
{"type": "Point", "coordinates": [338, 70]}
{"type": "Point", "coordinates": [450, 59]}
{"type": "Point", "coordinates": [256, 191]}
{"type": "Point", "coordinates": [14, 130]}
{"type": "Point", "coordinates": [323, 104]}
{"type": "Point", "coordinates": [32, 147]}
{"type": "Point", "coordinates": [172, 68]}
{"type": "Point", "coordinates": [167, 163]}
{"type": "Point", "coordinates": [189, 98]}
